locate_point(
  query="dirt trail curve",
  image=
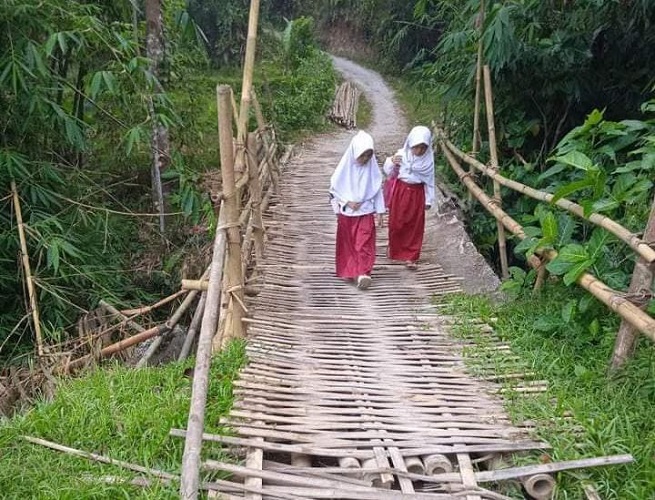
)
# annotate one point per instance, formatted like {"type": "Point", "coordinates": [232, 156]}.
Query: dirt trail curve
{"type": "Point", "coordinates": [453, 249]}
{"type": "Point", "coordinates": [339, 377]}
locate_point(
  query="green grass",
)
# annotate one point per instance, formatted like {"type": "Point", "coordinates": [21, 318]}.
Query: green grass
{"type": "Point", "coordinates": [610, 415]}
{"type": "Point", "coordinates": [119, 412]}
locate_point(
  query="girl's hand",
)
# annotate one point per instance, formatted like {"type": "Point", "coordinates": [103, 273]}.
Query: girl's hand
{"type": "Point", "coordinates": [353, 205]}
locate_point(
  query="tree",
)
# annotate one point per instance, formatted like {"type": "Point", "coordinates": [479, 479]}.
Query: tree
{"type": "Point", "coordinates": [160, 143]}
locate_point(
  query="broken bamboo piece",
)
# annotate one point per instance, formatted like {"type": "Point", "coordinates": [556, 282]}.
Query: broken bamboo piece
{"type": "Point", "coordinates": [190, 478]}
{"type": "Point", "coordinates": [493, 151]}
{"type": "Point", "coordinates": [29, 279]}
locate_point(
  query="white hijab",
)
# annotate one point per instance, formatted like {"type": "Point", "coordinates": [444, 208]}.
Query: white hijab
{"type": "Point", "coordinates": [421, 166]}
{"type": "Point", "coordinates": [352, 181]}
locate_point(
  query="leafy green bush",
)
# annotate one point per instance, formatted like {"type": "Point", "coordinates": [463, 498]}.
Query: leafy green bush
{"type": "Point", "coordinates": [299, 101]}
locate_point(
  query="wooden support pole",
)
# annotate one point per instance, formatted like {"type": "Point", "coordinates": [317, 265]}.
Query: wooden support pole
{"type": "Point", "coordinates": [232, 325]}
{"type": "Point", "coordinates": [100, 458]}
{"type": "Point", "coordinates": [641, 283]}
{"type": "Point", "coordinates": [190, 479]}
{"type": "Point", "coordinates": [29, 279]}
{"type": "Point", "coordinates": [488, 97]}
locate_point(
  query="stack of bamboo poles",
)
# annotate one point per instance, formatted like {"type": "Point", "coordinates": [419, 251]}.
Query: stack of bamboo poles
{"type": "Point", "coordinates": [344, 107]}
{"type": "Point", "coordinates": [629, 305]}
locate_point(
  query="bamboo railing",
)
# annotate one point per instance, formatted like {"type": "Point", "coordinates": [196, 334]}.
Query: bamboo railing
{"type": "Point", "coordinates": [617, 301]}
{"type": "Point", "coordinates": [238, 247]}
{"type": "Point", "coordinates": [634, 318]}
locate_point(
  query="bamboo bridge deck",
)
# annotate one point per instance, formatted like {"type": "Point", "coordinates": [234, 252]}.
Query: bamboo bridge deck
{"type": "Point", "coordinates": [350, 393]}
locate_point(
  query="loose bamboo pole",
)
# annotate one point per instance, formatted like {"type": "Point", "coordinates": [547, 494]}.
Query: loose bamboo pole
{"type": "Point", "coordinates": [100, 458]}
{"type": "Point", "coordinates": [193, 328]}
{"type": "Point", "coordinates": [146, 309]}
{"type": "Point", "coordinates": [190, 479]}
{"type": "Point", "coordinates": [29, 279]}
{"type": "Point", "coordinates": [611, 298]}
{"type": "Point", "coordinates": [232, 325]}
{"type": "Point", "coordinates": [261, 122]}
{"type": "Point", "coordinates": [488, 97]}
{"type": "Point", "coordinates": [121, 345]}
{"type": "Point", "coordinates": [641, 283]}
{"type": "Point", "coordinates": [632, 240]}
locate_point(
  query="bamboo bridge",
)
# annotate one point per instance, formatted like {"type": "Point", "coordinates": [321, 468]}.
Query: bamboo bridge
{"type": "Point", "coordinates": [346, 393]}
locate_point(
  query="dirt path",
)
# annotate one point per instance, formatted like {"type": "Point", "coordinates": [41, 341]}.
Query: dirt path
{"type": "Point", "coordinates": [452, 247]}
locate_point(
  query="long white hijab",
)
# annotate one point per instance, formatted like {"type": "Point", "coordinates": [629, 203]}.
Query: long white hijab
{"type": "Point", "coordinates": [352, 181]}
{"type": "Point", "coordinates": [420, 166]}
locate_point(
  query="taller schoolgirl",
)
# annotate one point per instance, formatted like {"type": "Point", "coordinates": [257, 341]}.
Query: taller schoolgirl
{"type": "Point", "coordinates": [412, 195]}
{"type": "Point", "coordinates": [356, 191]}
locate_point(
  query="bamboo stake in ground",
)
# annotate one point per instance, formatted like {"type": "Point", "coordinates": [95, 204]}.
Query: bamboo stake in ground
{"type": "Point", "coordinates": [29, 279]}
{"type": "Point", "coordinates": [232, 325]}
{"type": "Point", "coordinates": [488, 97]}
{"type": "Point", "coordinates": [641, 283]}
{"type": "Point", "coordinates": [190, 479]}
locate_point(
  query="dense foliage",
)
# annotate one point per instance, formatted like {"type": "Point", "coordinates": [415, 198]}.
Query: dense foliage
{"type": "Point", "coordinates": [75, 91]}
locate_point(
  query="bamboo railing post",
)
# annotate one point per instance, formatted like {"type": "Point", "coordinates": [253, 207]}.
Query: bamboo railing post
{"type": "Point", "coordinates": [488, 97]}
{"type": "Point", "coordinates": [29, 279]}
{"type": "Point", "coordinates": [232, 326]}
{"type": "Point", "coordinates": [256, 196]}
{"type": "Point", "coordinates": [641, 283]}
{"type": "Point", "coordinates": [246, 86]}
{"type": "Point", "coordinates": [190, 478]}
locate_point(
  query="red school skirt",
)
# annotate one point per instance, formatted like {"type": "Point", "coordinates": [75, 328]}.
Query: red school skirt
{"type": "Point", "coordinates": [355, 249]}
{"type": "Point", "coordinates": [406, 221]}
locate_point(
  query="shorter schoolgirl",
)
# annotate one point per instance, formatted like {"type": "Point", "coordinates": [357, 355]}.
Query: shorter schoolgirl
{"type": "Point", "coordinates": [356, 192]}
{"type": "Point", "coordinates": [412, 194]}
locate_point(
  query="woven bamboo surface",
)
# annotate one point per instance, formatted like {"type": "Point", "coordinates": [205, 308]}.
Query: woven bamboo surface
{"type": "Point", "coordinates": [339, 377]}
